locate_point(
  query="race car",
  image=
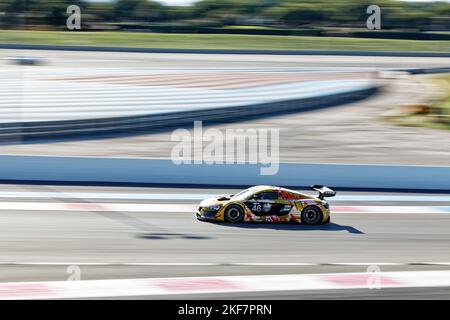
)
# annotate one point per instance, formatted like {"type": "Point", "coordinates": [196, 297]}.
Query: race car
{"type": "Point", "coordinates": [268, 204]}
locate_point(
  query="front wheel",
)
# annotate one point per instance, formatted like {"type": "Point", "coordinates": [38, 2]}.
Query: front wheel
{"type": "Point", "coordinates": [234, 213]}
{"type": "Point", "coordinates": [312, 215]}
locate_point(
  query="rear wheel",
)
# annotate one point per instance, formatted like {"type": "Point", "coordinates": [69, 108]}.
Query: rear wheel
{"type": "Point", "coordinates": [312, 215]}
{"type": "Point", "coordinates": [234, 213]}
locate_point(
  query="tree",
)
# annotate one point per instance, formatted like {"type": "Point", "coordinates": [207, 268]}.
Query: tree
{"type": "Point", "coordinates": [137, 10]}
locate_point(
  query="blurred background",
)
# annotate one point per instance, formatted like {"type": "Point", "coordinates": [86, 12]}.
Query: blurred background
{"type": "Point", "coordinates": [185, 59]}
{"type": "Point", "coordinates": [270, 17]}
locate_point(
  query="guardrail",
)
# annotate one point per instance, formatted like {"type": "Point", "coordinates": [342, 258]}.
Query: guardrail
{"type": "Point", "coordinates": [225, 51]}
{"type": "Point", "coordinates": [134, 125]}
{"type": "Point", "coordinates": [159, 172]}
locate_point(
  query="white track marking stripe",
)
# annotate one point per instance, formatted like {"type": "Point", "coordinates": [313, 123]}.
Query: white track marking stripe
{"type": "Point", "coordinates": [365, 264]}
{"type": "Point", "coordinates": [88, 206]}
{"type": "Point", "coordinates": [273, 264]}
{"type": "Point", "coordinates": [196, 285]}
{"type": "Point", "coordinates": [198, 197]}
{"type": "Point", "coordinates": [191, 208]}
{"type": "Point", "coordinates": [61, 263]}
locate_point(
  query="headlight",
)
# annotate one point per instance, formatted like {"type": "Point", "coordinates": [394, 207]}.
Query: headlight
{"type": "Point", "coordinates": [215, 207]}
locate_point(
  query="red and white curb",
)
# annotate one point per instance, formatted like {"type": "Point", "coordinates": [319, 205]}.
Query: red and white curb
{"type": "Point", "coordinates": [164, 207]}
{"type": "Point", "coordinates": [197, 285]}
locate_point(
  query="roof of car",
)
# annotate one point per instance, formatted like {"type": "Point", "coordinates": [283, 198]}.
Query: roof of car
{"type": "Point", "coordinates": [262, 188]}
{"type": "Point", "coordinates": [275, 188]}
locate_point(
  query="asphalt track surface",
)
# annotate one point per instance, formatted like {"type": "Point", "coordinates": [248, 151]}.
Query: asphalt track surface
{"type": "Point", "coordinates": [39, 245]}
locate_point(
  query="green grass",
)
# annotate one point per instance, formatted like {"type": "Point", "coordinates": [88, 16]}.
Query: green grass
{"type": "Point", "coordinates": [438, 116]}
{"type": "Point", "coordinates": [217, 41]}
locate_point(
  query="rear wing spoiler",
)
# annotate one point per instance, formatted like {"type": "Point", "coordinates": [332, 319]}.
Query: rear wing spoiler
{"type": "Point", "coordinates": [324, 192]}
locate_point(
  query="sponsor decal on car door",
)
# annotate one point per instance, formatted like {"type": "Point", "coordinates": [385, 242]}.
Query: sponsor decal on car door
{"type": "Point", "coordinates": [268, 204]}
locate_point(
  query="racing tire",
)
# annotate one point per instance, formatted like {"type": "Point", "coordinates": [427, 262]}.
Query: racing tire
{"type": "Point", "coordinates": [312, 215]}
{"type": "Point", "coordinates": [234, 214]}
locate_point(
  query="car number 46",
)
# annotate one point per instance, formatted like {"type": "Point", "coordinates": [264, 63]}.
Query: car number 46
{"type": "Point", "coordinates": [257, 207]}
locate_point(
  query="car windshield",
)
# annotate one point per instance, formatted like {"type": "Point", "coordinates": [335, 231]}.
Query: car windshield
{"type": "Point", "coordinates": [244, 194]}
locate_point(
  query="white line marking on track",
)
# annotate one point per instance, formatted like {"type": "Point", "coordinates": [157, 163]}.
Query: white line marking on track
{"type": "Point", "coordinates": [366, 263]}
{"type": "Point", "coordinates": [199, 197]}
{"type": "Point", "coordinates": [89, 206]}
{"type": "Point", "coordinates": [191, 208]}
{"type": "Point", "coordinates": [279, 264]}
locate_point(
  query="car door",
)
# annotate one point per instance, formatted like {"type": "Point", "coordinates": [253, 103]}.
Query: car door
{"type": "Point", "coordinates": [266, 203]}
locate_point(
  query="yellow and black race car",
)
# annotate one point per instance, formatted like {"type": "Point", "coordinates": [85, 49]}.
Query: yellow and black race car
{"type": "Point", "coordinates": [268, 204]}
